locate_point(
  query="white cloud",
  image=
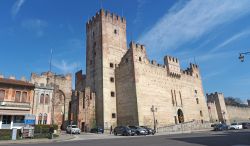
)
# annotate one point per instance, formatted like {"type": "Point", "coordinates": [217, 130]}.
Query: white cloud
{"type": "Point", "coordinates": [191, 21]}
{"type": "Point", "coordinates": [231, 39]}
{"type": "Point", "coordinates": [35, 25]}
{"type": "Point", "coordinates": [16, 7]}
{"type": "Point", "coordinates": [64, 66]}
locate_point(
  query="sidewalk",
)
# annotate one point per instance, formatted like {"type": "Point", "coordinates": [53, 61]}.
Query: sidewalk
{"type": "Point", "coordinates": [63, 137]}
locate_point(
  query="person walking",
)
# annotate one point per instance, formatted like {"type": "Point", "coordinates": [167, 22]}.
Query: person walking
{"type": "Point", "coordinates": [111, 130]}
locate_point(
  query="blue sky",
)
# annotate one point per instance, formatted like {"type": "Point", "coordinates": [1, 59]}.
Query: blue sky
{"type": "Point", "coordinates": [211, 31]}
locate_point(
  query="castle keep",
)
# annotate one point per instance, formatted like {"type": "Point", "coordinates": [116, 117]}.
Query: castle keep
{"type": "Point", "coordinates": [129, 88]}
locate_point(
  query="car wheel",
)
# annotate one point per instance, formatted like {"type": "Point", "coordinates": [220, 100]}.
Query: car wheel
{"type": "Point", "coordinates": [137, 133]}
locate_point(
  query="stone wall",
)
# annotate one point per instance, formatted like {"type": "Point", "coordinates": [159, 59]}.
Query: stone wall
{"type": "Point", "coordinates": [154, 86]}
{"type": "Point", "coordinates": [238, 114]}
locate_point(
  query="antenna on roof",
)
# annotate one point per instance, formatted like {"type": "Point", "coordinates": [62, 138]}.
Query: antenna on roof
{"type": "Point", "coordinates": [51, 53]}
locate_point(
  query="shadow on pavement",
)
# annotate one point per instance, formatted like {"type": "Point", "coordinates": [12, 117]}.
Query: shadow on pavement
{"type": "Point", "coordinates": [230, 138]}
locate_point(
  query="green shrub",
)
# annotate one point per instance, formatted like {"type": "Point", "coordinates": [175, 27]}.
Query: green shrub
{"type": "Point", "coordinates": [44, 128]}
{"type": "Point", "coordinates": [6, 134]}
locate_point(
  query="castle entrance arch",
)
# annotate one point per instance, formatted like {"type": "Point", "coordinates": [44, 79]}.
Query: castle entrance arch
{"type": "Point", "coordinates": [180, 116]}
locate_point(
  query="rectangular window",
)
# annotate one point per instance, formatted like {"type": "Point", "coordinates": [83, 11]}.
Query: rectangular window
{"type": "Point", "coordinates": [113, 115]}
{"type": "Point", "coordinates": [197, 100]}
{"type": "Point", "coordinates": [2, 94]}
{"type": "Point", "coordinates": [111, 65]}
{"type": "Point", "coordinates": [112, 79]}
{"type": "Point", "coordinates": [24, 97]}
{"type": "Point", "coordinates": [201, 114]}
{"type": "Point", "coordinates": [6, 119]}
{"type": "Point", "coordinates": [18, 119]}
{"type": "Point", "coordinates": [112, 93]}
{"type": "Point", "coordinates": [18, 96]}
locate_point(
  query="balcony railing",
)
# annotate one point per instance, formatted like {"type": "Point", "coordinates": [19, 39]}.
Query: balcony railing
{"type": "Point", "coordinates": [14, 105]}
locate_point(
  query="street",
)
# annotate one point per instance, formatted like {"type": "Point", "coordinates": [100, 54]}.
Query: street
{"type": "Point", "coordinates": [209, 138]}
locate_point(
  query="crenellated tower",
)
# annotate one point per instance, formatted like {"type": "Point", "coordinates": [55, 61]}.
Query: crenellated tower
{"type": "Point", "coordinates": [106, 44]}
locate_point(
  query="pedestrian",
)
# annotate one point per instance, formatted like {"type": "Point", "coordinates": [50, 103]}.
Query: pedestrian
{"type": "Point", "coordinates": [111, 129]}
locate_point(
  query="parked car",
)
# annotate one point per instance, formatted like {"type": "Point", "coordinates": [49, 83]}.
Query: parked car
{"type": "Point", "coordinates": [220, 127]}
{"type": "Point", "coordinates": [96, 130]}
{"type": "Point", "coordinates": [246, 125]}
{"type": "Point", "coordinates": [234, 126]}
{"type": "Point", "coordinates": [73, 129]}
{"type": "Point", "coordinates": [149, 130]}
{"type": "Point", "coordinates": [138, 130]}
{"type": "Point", "coordinates": [123, 130]}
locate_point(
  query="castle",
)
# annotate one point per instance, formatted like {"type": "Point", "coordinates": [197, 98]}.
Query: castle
{"type": "Point", "coordinates": [130, 89]}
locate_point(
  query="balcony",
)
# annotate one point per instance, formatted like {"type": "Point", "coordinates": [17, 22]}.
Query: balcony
{"type": "Point", "coordinates": [10, 105]}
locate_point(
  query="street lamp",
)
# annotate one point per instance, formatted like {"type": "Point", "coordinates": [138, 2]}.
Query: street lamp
{"type": "Point", "coordinates": [153, 110]}
{"type": "Point", "coordinates": [242, 57]}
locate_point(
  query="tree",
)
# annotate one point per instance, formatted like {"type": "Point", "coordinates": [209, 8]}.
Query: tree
{"type": "Point", "coordinates": [233, 101]}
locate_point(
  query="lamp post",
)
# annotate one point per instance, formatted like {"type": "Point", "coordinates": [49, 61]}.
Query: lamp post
{"type": "Point", "coordinates": [242, 57]}
{"type": "Point", "coordinates": [153, 110]}
{"type": "Point", "coordinates": [223, 114]}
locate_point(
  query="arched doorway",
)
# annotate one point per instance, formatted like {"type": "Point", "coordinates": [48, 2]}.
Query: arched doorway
{"type": "Point", "coordinates": [180, 116]}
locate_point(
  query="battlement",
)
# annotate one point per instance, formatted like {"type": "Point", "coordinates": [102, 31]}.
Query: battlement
{"type": "Point", "coordinates": [108, 16]}
{"type": "Point", "coordinates": [137, 46]}
{"type": "Point", "coordinates": [168, 59]}
{"type": "Point", "coordinates": [194, 66]}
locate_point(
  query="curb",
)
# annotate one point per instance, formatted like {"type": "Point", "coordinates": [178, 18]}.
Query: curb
{"type": "Point", "coordinates": [32, 141]}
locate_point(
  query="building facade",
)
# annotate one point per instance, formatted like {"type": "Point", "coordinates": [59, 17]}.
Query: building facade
{"type": "Point", "coordinates": [131, 89]}
{"type": "Point", "coordinates": [16, 100]}
{"type": "Point", "coordinates": [43, 107]}
{"type": "Point", "coordinates": [53, 95]}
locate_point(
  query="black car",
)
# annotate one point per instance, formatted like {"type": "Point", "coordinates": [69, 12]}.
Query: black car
{"type": "Point", "coordinates": [220, 127]}
{"type": "Point", "coordinates": [246, 125]}
{"type": "Point", "coordinates": [123, 130]}
{"type": "Point", "coordinates": [150, 131]}
{"type": "Point", "coordinates": [96, 130]}
{"type": "Point", "coordinates": [138, 130]}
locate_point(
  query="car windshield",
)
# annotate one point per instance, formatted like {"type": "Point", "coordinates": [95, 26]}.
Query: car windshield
{"type": "Point", "coordinates": [234, 124]}
{"type": "Point", "coordinates": [74, 126]}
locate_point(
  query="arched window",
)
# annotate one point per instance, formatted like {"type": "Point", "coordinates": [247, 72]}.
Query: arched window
{"type": "Point", "coordinates": [175, 98]}
{"type": "Point", "coordinates": [45, 116]}
{"type": "Point", "coordinates": [47, 99]}
{"type": "Point", "coordinates": [40, 118]}
{"type": "Point", "coordinates": [41, 98]}
{"type": "Point", "coordinates": [172, 97]}
{"type": "Point", "coordinates": [180, 97]}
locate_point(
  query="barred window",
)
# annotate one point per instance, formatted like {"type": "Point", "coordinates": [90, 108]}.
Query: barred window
{"type": "Point", "coordinates": [47, 99]}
